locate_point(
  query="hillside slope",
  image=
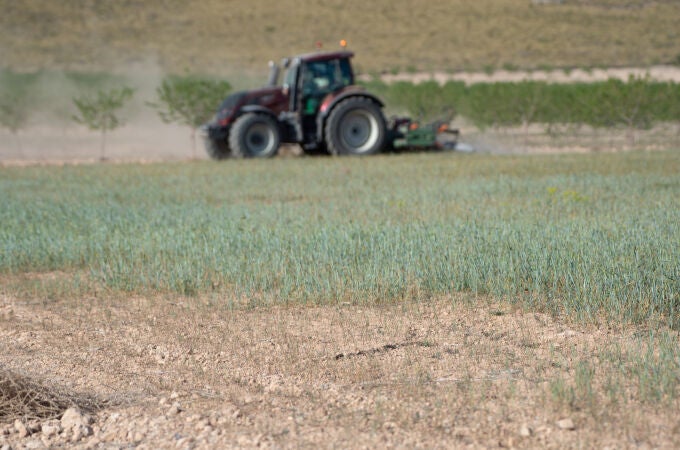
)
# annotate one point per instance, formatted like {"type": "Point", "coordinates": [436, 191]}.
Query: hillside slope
{"type": "Point", "coordinates": [219, 36]}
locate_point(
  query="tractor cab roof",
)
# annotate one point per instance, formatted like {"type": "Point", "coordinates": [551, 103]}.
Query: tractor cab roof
{"type": "Point", "coordinates": [324, 56]}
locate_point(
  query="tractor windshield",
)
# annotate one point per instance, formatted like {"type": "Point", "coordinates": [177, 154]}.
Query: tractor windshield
{"type": "Point", "coordinates": [320, 78]}
{"type": "Point", "coordinates": [323, 77]}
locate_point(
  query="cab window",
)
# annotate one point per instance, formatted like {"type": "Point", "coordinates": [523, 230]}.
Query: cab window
{"type": "Point", "coordinates": [323, 77]}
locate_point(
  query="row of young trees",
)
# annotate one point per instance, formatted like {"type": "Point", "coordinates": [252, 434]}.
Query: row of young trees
{"type": "Point", "coordinates": [188, 101]}
{"type": "Point", "coordinates": [638, 103]}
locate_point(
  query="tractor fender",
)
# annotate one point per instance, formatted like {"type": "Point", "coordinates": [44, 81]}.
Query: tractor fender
{"type": "Point", "coordinates": [333, 99]}
{"type": "Point", "coordinates": [256, 109]}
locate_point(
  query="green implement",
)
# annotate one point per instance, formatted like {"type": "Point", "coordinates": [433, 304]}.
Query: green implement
{"type": "Point", "coordinates": [409, 134]}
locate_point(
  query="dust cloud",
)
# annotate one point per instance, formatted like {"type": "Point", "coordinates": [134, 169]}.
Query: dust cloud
{"type": "Point", "coordinates": [52, 136]}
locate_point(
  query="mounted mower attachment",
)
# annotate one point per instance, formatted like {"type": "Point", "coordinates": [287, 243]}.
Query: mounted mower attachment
{"type": "Point", "coordinates": [409, 134]}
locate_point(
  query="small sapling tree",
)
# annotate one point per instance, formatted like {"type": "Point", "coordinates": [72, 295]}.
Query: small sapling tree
{"type": "Point", "coordinates": [189, 101]}
{"type": "Point", "coordinates": [527, 103]}
{"type": "Point", "coordinates": [632, 104]}
{"type": "Point", "coordinates": [17, 101]}
{"type": "Point", "coordinates": [14, 112]}
{"type": "Point", "coordinates": [100, 112]}
{"type": "Point", "coordinates": [425, 101]}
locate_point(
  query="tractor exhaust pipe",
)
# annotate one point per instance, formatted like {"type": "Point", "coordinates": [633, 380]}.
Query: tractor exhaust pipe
{"type": "Point", "coordinates": [273, 74]}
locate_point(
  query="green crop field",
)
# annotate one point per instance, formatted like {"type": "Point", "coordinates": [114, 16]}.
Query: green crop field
{"type": "Point", "coordinates": [227, 37]}
{"type": "Point", "coordinates": [594, 236]}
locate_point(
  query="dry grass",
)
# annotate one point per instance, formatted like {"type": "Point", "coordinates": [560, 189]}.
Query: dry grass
{"type": "Point", "coordinates": [217, 36]}
{"type": "Point", "coordinates": [455, 371]}
{"type": "Point", "coordinates": [24, 398]}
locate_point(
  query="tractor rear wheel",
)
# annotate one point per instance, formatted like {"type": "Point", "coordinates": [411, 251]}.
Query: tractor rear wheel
{"type": "Point", "coordinates": [356, 126]}
{"type": "Point", "coordinates": [217, 148]}
{"type": "Point", "coordinates": [254, 136]}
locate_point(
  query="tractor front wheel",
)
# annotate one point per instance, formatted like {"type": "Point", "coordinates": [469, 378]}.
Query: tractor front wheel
{"type": "Point", "coordinates": [356, 126]}
{"type": "Point", "coordinates": [254, 136]}
{"type": "Point", "coordinates": [217, 148]}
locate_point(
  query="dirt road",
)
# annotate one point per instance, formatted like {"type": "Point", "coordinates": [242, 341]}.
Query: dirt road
{"type": "Point", "coordinates": [657, 73]}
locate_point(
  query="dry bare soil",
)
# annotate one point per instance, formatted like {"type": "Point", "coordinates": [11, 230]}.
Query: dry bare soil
{"type": "Point", "coordinates": [452, 372]}
{"type": "Point", "coordinates": [146, 139]}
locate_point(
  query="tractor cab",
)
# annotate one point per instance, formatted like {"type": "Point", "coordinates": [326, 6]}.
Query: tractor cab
{"type": "Point", "coordinates": [310, 78]}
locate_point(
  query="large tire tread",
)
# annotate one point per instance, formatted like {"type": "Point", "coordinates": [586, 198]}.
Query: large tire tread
{"type": "Point", "coordinates": [362, 109]}
{"type": "Point", "coordinates": [239, 137]}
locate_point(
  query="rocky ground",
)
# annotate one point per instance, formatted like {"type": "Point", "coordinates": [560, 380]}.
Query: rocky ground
{"type": "Point", "coordinates": [183, 373]}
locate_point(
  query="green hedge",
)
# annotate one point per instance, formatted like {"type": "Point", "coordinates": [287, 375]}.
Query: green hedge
{"type": "Point", "coordinates": [637, 103]}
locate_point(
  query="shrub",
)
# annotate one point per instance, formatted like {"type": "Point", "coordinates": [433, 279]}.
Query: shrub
{"type": "Point", "coordinates": [15, 101]}
{"type": "Point", "coordinates": [100, 112]}
{"type": "Point", "coordinates": [189, 101]}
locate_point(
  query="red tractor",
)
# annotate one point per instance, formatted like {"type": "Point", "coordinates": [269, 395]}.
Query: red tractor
{"type": "Point", "coordinates": [318, 106]}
